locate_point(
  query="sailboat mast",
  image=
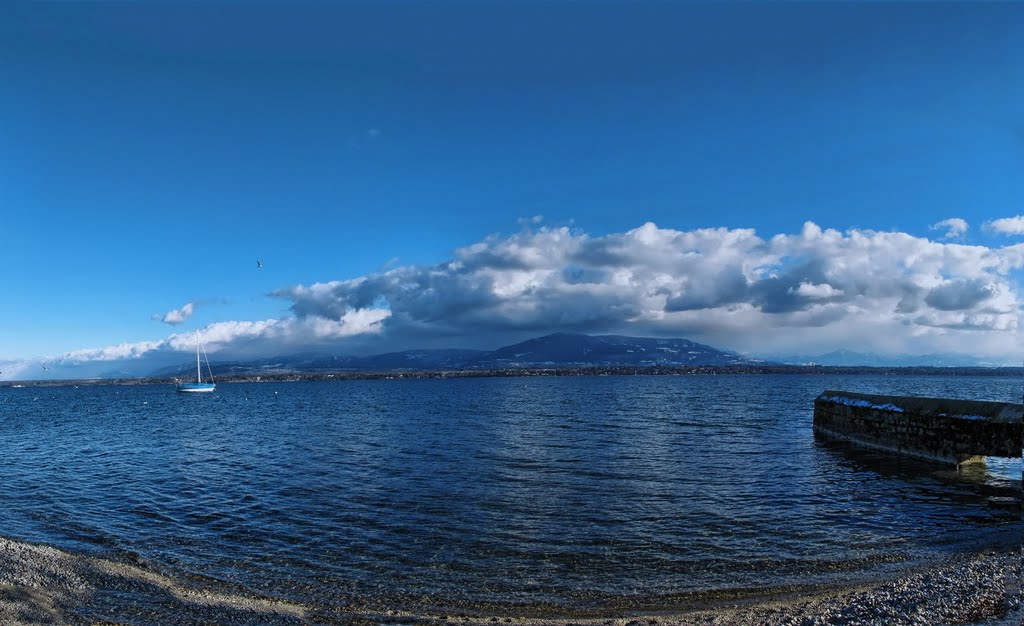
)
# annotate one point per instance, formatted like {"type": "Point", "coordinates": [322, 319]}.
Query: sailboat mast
{"type": "Point", "coordinates": [199, 371]}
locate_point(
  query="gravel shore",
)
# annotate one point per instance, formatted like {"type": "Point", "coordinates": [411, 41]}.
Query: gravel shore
{"type": "Point", "coordinates": [44, 585]}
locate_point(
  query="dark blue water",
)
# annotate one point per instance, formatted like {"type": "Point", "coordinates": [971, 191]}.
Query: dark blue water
{"type": "Point", "coordinates": [573, 491]}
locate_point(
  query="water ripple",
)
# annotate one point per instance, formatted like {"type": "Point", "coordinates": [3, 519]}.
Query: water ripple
{"type": "Point", "coordinates": [558, 490]}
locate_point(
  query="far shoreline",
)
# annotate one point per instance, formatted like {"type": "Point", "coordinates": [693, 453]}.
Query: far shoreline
{"type": "Point", "coordinates": [524, 372]}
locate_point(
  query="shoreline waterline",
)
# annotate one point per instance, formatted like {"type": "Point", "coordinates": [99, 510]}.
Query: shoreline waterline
{"type": "Point", "coordinates": [40, 584]}
{"type": "Point", "coordinates": [766, 369]}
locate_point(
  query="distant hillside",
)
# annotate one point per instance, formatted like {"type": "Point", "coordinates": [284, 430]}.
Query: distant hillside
{"type": "Point", "coordinates": [304, 362]}
{"type": "Point", "coordinates": [571, 349]}
{"type": "Point", "coordinates": [557, 350]}
{"type": "Point", "coordinates": [418, 359]}
{"type": "Point", "coordinates": [409, 359]}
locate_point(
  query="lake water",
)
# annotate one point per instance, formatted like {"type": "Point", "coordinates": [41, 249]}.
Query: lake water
{"type": "Point", "coordinates": [575, 491]}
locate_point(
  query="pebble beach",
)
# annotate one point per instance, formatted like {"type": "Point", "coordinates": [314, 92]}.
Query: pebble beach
{"type": "Point", "coordinates": [45, 585]}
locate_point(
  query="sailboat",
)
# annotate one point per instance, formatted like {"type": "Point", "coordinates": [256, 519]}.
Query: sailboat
{"type": "Point", "coordinates": [199, 386]}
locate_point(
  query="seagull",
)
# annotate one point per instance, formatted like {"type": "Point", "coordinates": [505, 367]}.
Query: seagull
{"type": "Point", "coordinates": [259, 264]}
{"type": "Point", "coordinates": [44, 367]}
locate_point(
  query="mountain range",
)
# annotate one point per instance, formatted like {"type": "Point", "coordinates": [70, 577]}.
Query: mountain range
{"type": "Point", "coordinates": [555, 350]}
{"type": "Point", "coordinates": [559, 350]}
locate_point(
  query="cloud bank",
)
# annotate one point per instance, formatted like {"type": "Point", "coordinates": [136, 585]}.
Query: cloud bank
{"type": "Point", "coordinates": [220, 336]}
{"type": "Point", "coordinates": [815, 290]}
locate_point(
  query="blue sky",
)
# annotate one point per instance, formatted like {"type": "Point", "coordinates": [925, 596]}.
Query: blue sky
{"type": "Point", "coordinates": [153, 151]}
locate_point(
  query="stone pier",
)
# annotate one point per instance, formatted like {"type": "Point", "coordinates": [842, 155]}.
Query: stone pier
{"type": "Point", "coordinates": [938, 429]}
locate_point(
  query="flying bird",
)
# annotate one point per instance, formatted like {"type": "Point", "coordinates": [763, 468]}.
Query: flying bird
{"type": "Point", "coordinates": [259, 264]}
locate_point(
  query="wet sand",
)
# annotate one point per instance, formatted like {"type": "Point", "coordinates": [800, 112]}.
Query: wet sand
{"type": "Point", "coordinates": [44, 585]}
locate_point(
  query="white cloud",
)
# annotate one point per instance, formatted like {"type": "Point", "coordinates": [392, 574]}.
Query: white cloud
{"type": "Point", "coordinates": [821, 291]}
{"type": "Point", "coordinates": [955, 227]}
{"type": "Point", "coordinates": [220, 334]}
{"type": "Point", "coordinates": [1007, 225]}
{"type": "Point", "coordinates": [533, 220]}
{"type": "Point", "coordinates": [353, 322]}
{"type": "Point", "coordinates": [273, 334]}
{"type": "Point", "coordinates": [177, 316]}
{"type": "Point", "coordinates": [110, 353]}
